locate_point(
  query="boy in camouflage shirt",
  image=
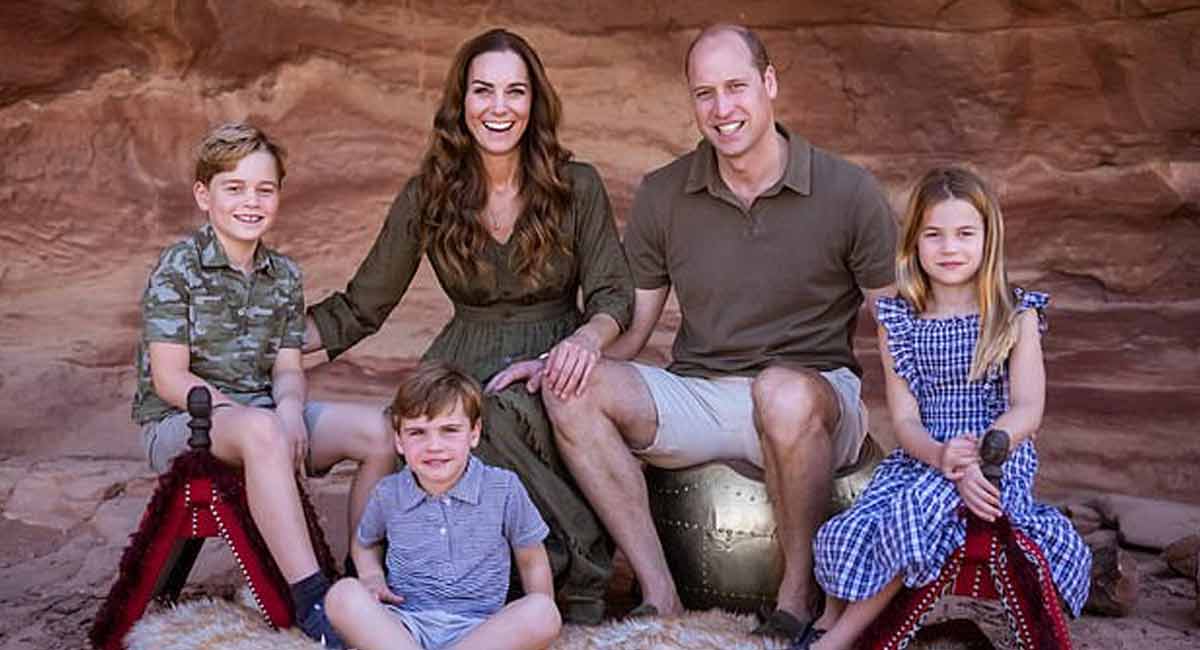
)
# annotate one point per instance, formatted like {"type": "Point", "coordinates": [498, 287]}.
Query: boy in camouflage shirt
{"type": "Point", "coordinates": [222, 310]}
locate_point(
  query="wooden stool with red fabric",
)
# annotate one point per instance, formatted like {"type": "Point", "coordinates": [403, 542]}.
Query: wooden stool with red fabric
{"type": "Point", "coordinates": [197, 498]}
{"type": "Point", "coordinates": [997, 562]}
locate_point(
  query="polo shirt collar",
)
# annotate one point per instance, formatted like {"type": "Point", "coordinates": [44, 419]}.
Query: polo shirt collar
{"type": "Point", "coordinates": [212, 253]}
{"type": "Point", "coordinates": [467, 489]}
{"type": "Point", "coordinates": [469, 484]}
{"type": "Point", "coordinates": [704, 173]}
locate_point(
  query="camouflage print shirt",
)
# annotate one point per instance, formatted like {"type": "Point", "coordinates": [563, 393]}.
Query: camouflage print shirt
{"type": "Point", "coordinates": [233, 323]}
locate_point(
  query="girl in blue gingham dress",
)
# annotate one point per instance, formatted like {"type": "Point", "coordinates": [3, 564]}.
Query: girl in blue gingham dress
{"type": "Point", "coordinates": [907, 522]}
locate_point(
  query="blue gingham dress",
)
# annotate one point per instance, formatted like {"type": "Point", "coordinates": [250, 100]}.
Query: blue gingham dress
{"type": "Point", "coordinates": [907, 520]}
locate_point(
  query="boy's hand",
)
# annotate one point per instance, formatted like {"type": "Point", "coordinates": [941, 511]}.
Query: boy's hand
{"type": "Point", "coordinates": [377, 585]}
{"type": "Point", "coordinates": [957, 454]}
{"type": "Point", "coordinates": [529, 372]}
{"type": "Point", "coordinates": [978, 494]}
{"type": "Point", "coordinates": [297, 434]}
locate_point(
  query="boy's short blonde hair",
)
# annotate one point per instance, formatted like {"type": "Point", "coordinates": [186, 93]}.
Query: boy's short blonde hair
{"type": "Point", "coordinates": [433, 389]}
{"type": "Point", "coordinates": [225, 145]}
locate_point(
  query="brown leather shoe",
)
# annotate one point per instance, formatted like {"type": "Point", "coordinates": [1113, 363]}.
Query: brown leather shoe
{"type": "Point", "coordinates": [805, 641]}
{"type": "Point", "coordinates": [645, 610]}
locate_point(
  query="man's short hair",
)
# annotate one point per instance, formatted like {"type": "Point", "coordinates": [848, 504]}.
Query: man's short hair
{"type": "Point", "coordinates": [432, 389]}
{"type": "Point", "coordinates": [758, 51]}
{"type": "Point", "coordinates": [224, 146]}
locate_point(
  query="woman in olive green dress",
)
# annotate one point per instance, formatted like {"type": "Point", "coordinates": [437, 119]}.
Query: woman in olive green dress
{"type": "Point", "coordinates": [516, 233]}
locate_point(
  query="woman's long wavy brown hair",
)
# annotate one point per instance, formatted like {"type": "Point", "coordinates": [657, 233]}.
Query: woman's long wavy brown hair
{"type": "Point", "coordinates": [997, 313]}
{"type": "Point", "coordinates": [453, 185]}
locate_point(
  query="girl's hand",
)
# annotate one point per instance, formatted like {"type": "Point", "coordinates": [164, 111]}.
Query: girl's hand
{"type": "Point", "coordinates": [978, 494]}
{"type": "Point", "coordinates": [377, 586]}
{"type": "Point", "coordinates": [570, 363]}
{"type": "Point", "coordinates": [529, 372]}
{"type": "Point", "coordinates": [957, 454]}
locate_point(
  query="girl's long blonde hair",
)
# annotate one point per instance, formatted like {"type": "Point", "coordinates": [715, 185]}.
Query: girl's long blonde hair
{"type": "Point", "coordinates": [997, 313]}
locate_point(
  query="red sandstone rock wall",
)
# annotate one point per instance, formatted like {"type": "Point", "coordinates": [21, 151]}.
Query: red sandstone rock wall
{"type": "Point", "coordinates": [1086, 114]}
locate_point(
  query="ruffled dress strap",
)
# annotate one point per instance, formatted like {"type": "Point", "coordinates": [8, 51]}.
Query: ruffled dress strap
{"type": "Point", "coordinates": [897, 316]}
{"type": "Point", "coordinates": [1035, 300]}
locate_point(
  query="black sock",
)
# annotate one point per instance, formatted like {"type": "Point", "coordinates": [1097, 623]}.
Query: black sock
{"type": "Point", "coordinates": [309, 591]}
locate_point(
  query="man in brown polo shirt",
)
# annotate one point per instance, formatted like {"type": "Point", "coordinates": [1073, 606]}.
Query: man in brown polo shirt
{"type": "Point", "coordinates": [770, 244]}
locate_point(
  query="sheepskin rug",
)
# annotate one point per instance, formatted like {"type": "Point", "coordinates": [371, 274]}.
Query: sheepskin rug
{"type": "Point", "coordinates": [215, 624]}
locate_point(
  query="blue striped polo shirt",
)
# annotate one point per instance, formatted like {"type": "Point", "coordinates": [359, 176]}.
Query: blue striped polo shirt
{"type": "Point", "coordinates": [452, 552]}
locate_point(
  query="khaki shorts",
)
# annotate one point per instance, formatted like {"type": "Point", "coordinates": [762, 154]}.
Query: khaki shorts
{"type": "Point", "coordinates": [702, 420]}
{"type": "Point", "coordinates": [167, 438]}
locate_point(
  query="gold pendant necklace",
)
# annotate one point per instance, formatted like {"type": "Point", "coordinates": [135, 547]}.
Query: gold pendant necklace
{"type": "Point", "coordinates": [494, 221]}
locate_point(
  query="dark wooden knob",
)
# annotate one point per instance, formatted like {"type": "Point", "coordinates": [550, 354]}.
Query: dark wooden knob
{"type": "Point", "coordinates": [992, 452]}
{"type": "Point", "coordinates": [199, 403]}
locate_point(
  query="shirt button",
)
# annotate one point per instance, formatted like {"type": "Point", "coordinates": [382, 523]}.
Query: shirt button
{"type": "Point", "coordinates": [442, 530]}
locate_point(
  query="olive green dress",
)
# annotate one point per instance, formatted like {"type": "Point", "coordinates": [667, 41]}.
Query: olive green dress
{"type": "Point", "coordinates": [498, 320]}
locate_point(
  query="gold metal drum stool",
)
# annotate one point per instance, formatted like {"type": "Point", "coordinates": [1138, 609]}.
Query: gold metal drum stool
{"type": "Point", "coordinates": [718, 530]}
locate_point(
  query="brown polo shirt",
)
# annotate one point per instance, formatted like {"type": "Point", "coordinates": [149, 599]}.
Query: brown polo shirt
{"type": "Point", "coordinates": [779, 282]}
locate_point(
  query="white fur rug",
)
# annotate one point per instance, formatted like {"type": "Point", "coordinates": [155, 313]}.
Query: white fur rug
{"type": "Point", "coordinates": [214, 624]}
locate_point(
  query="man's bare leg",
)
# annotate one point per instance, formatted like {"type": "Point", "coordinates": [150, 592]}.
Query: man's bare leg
{"type": "Point", "coordinates": [795, 412]}
{"type": "Point", "coordinates": [253, 439]}
{"type": "Point", "coordinates": [357, 432]}
{"type": "Point", "coordinates": [595, 432]}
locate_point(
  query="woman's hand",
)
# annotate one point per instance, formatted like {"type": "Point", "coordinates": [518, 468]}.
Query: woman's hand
{"type": "Point", "coordinates": [377, 586]}
{"type": "Point", "coordinates": [529, 372]}
{"type": "Point", "coordinates": [957, 454]}
{"type": "Point", "coordinates": [978, 494]}
{"type": "Point", "coordinates": [570, 363]}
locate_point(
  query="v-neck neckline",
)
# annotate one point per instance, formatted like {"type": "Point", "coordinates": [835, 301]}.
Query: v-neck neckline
{"type": "Point", "coordinates": [501, 244]}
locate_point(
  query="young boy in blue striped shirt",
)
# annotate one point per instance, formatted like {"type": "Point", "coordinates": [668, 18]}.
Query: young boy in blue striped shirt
{"type": "Point", "coordinates": [452, 526]}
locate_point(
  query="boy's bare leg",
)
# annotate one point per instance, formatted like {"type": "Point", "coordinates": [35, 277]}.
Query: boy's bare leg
{"type": "Point", "coordinates": [795, 411]}
{"type": "Point", "coordinates": [529, 623]}
{"type": "Point", "coordinates": [595, 432]}
{"type": "Point", "coordinates": [857, 616]}
{"type": "Point", "coordinates": [362, 620]}
{"type": "Point", "coordinates": [253, 439]}
{"type": "Point", "coordinates": [357, 432]}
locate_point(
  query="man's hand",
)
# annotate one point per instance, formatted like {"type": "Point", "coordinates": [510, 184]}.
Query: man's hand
{"type": "Point", "coordinates": [377, 585]}
{"type": "Point", "coordinates": [957, 454]}
{"type": "Point", "coordinates": [570, 363]}
{"type": "Point", "coordinates": [529, 372]}
{"type": "Point", "coordinates": [978, 494]}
